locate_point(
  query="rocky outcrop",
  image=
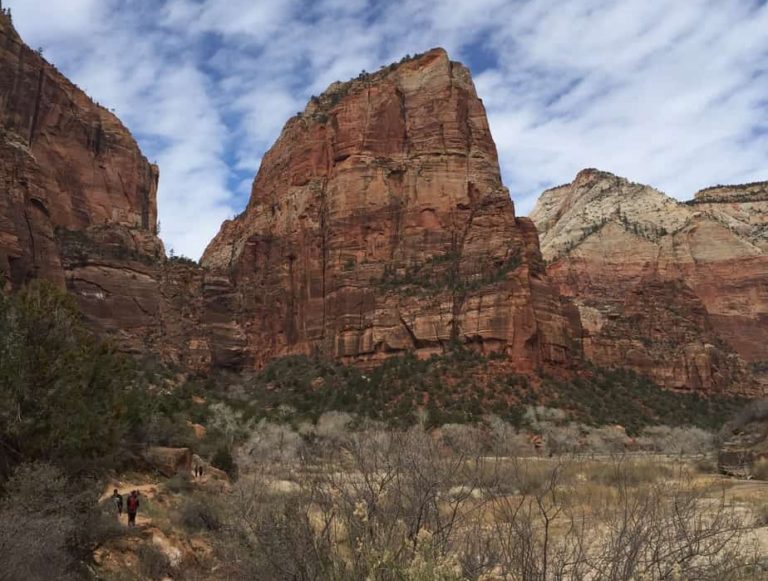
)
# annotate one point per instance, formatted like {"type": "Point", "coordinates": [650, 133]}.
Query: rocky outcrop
{"type": "Point", "coordinates": [742, 208]}
{"type": "Point", "coordinates": [378, 224]}
{"type": "Point", "coordinates": [78, 207]}
{"type": "Point", "coordinates": [78, 198]}
{"type": "Point", "coordinates": [672, 290]}
{"type": "Point", "coordinates": [168, 461]}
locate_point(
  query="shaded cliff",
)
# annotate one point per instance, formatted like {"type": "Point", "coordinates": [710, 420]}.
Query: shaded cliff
{"type": "Point", "coordinates": [78, 204]}
{"type": "Point", "coordinates": [78, 207]}
{"type": "Point", "coordinates": [676, 291]}
{"type": "Point", "coordinates": [378, 224]}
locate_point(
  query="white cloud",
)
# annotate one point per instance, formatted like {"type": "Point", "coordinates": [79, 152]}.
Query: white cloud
{"type": "Point", "coordinates": [57, 20]}
{"type": "Point", "coordinates": [668, 93]}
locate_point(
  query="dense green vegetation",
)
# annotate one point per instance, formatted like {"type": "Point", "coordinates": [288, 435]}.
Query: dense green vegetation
{"type": "Point", "coordinates": [71, 400]}
{"type": "Point", "coordinates": [457, 387]}
{"type": "Point", "coordinates": [621, 396]}
{"type": "Point", "coordinates": [64, 396]}
{"type": "Point", "coordinates": [304, 388]}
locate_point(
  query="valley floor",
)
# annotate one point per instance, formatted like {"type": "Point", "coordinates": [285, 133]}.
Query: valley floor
{"type": "Point", "coordinates": [383, 507]}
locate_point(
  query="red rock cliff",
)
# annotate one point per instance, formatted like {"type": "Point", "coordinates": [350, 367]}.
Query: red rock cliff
{"type": "Point", "coordinates": [378, 223]}
{"type": "Point", "coordinates": [78, 198]}
{"type": "Point", "coordinates": [672, 290]}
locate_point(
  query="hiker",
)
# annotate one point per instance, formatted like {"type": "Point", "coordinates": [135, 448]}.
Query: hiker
{"type": "Point", "coordinates": [133, 506]}
{"type": "Point", "coordinates": [117, 498]}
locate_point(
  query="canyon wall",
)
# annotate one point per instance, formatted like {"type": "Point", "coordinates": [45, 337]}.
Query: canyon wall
{"type": "Point", "coordinates": [677, 291]}
{"type": "Point", "coordinates": [378, 224]}
{"type": "Point", "coordinates": [78, 204]}
{"type": "Point", "coordinates": [78, 207]}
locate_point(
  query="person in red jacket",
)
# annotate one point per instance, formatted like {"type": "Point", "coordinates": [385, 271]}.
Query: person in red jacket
{"type": "Point", "coordinates": [133, 507]}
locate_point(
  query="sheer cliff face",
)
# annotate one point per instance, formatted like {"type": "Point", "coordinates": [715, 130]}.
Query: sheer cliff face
{"type": "Point", "coordinates": [78, 198]}
{"type": "Point", "coordinates": [676, 291]}
{"type": "Point", "coordinates": [378, 223]}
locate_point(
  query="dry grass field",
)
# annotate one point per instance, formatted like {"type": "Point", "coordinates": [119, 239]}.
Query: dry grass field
{"type": "Point", "coordinates": [388, 505]}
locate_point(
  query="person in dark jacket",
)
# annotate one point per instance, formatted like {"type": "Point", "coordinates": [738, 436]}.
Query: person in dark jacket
{"type": "Point", "coordinates": [133, 507]}
{"type": "Point", "coordinates": [117, 498]}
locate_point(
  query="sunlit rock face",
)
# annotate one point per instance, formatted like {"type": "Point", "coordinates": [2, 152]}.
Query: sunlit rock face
{"type": "Point", "coordinates": [378, 223]}
{"type": "Point", "coordinates": [676, 291]}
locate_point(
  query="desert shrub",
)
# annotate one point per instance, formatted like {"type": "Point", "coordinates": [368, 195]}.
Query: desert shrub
{"type": "Point", "coordinates": [225, 420]}
{"type": "Point", "coordinates": [334, 425]}
{"type": "Point", "coordinates": [269, 441]}
{"type": "Point", "coordinates": [36, 529]}
{"type": "Point", "coordinates": [506, 440]}
{"type": "Point", "coordinates": [623, 471]}
{"type": "Point", "coordinates": [200, 513]}
{"type": "Point", "coordinates": [561, 439]}
{"type": "Point", "coordinates": [51, 524]}
{"type": "Point", "coordinates": [223, 460]}
{"type": "Point", "coordinates": [400, 504]}
{"type": "Point", "coordinates": [605, 440]}
{"type": "Point", "coordinates": [675, 440]}
{"type": "Point", "coordinates": [536, 416]}
{"type": "Point", "coordinates": [463, 438]}
{"type": "Point", "coordinates": [272, 537]}
{"type": "Point", "coordinates": [761, 516]}
{"type": "Point", "coordinates": [153, 563]}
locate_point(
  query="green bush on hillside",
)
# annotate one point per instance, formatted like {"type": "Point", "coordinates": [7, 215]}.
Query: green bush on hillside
{"type": "Point", "coordinates": [64, 396]}
{"type": "Point", "coordinates": [621, 396]}
{"type": "Point", "coordinates": [459, 387]}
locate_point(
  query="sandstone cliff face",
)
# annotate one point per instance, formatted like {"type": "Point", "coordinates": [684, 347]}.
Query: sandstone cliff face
{"type": "Point", "coordinates": [378, 223]}
{"type": "Point", "coordinates": [742, 208]}
{"type": "Point", "coordinates": [78, 199]}
{"type": "Point", "coordinates": [676, 291]}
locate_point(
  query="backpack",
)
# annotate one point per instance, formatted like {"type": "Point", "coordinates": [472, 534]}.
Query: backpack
{"type": "Point", "coordinates": [133, 503]}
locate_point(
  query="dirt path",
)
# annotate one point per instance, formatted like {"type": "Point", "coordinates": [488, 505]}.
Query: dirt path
{"type": "Point", "coordinates": [145, 490]}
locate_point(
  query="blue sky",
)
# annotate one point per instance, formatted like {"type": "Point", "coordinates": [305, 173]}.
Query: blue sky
{"type": "Point", "coordinates": [673, 93]}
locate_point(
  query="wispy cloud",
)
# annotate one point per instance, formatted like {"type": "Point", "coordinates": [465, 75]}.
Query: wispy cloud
{"type": "Point", "coordinates": [668, 93]}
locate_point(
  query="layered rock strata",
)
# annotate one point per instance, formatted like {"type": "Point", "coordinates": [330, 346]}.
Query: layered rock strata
{"type": "Point", "coordinates": [378, 224]}
{"type": "Point", "coordinates": [78, 204]}
{"type": "Point", "coordinates": [78, 207]}
{"type": "Point", "coordinates": [676, 291]}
